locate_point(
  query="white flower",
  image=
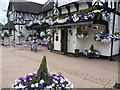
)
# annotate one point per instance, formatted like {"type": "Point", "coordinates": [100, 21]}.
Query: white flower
{"type": "Point", "coordinates": [32, 85]}
{"type": "Point", "coordinates": [49, 86]}
{"type": "Point", "coordinates": [30, 78]}
{"type": "Point", "coordinates": [42, 34]}
{"type": "Point", "coordinates": [62, 80]}
{"type": "Point", "coordinates": [53, 85]}
{"type": "Point", "coordinates": [36, 84]}
{"type": "Point", "coordinates": [16, 81]}
{"type": "Point", "coordinates": [96, 11]}
{"type": "Point", "coordinates": [71, 86]}
{"type": "Point", "coordinates": [30, 74]}
{"type": "Point", "coordinates": [85, 17]}
{"type": "Point", "coordinates": [89, 51]}
{"type": "Point", "coordinates": [42, 81]}
{"type": "Point", "coordinates": [2, 34]}
{"type": "Point", "coordinates": [34, 72]}
{"type": "Point", "coordinates": [21, 86]}
{"type": "Point", "coordinates": [55, 81]}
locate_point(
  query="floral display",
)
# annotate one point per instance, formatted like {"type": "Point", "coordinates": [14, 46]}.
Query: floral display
{"type": "Point", "coordinates": [42, 79]}
{"type": "Point", "coordinates": [85, 14]}
{"type": "Point", "coordinates": [21, 34]}
{"type": "Point", "coordinates": [81, 33]}
{"type": "Point", "coordinates": [105, 15]}
{"type": "Point", "coordinates": [117, 35]}
{"type": "Point", "coordinates": [5, 34]}
{"type": "Point", "coordinates": [91, 53]}
{"type": "Point", "coordinates": [104, 37]}
{"type": "Point", "coordinates": [35, 81]}
{"type": "Point", "coordinates": [49, 21]}
{"type": "Point", "coordinates": [61, 20]}
{"type": "Point", "coordinates": [75, 18]}
{"type": "Point", "coordinates": [34, 22]}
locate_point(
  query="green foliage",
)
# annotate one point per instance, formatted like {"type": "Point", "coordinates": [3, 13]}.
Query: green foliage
{"type": "Point", "coordinates": [46, 35]}
{"type": "Point", "coordinates": [104, 32]}
{"type": "Point", "coordinates": [43, 71]}
{"type": "Point", "coordinates": [86, 10]}
{"type": "Point", "coordinates": [42, 18]}
{"type": "Point", "coordinates": [5, 33]}
{"type": "Point", "coordinates": [79, 30]}
{"type": "Point", "coordinates": [117, 33]}
{"type": "Point", "coordinates": [30, 35]}
{"type": "Point", "coordinates": [1, 25]}
{"type": "Point", "coordinates": [99, 16]}
{"type": "Point", "coordinates": [92, 48]}
{"type": "Point", "coordinates": [57, 16]}
{"type": "Point", "coordinates": [20, 32]}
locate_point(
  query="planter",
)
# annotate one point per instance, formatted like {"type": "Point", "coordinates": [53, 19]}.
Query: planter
{"type": "Point", "coordinates": [91, 55]}
{"type": "Point", "coordinates": [41, 80]}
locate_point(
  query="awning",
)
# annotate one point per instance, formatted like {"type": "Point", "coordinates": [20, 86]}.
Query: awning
{"type": "Point", "coordinates": [9, 26]}
{"type": "Point", "coordinates": [73, 24]}
{"type": "Point", "coordinates": [38, 27]}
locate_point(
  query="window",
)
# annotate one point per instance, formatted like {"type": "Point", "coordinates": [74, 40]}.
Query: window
{"type": "Point", "coordinates": [56, 38]}
{"type": "Point", "coordinates": [10, 32]}
{"type": "Point", "coordinates": [94, 27]}
{"type": "Point", "coordinates": [26, 16]}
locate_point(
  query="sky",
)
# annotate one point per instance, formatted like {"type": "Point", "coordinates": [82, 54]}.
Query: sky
{"type": "Point", "coordinates": [4, 6]}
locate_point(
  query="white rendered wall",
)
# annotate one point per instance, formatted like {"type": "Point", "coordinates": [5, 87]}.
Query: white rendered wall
{"type": "Point", "coordinates": [83, 6]}
{"type": "Point", "coordinates": [64, 10]}
{"type": "Point", "coordinates": [6, 39]}
{"type": "Point", "coordinates": [72, 8]}
{"type": "Point", "coordinates": [24, 30]}
{"type": "Point", "coordinates": [85, 43]}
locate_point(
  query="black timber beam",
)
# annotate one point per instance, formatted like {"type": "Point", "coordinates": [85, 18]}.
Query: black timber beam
{"type": "Point", "coordinates": [76, 6]}
{"type": "Point", "coordinates": [106, 7]}
{"type": "Point", "coordinates": [89, 4]}
{"type": "Point", "coordinates": [68, 8]}
{"type": "Point", "coordinates": [109, 9]}
{"type": "Point", "coordinates": [59, 10]}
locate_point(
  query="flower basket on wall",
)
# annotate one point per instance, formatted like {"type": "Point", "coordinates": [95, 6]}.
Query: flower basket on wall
{"type": "Point", "coordinates": [81, 33]}
{"type": "Point", "coordinates": [104, 37]}
{"type": "Point", "coordinates": [42, 80]}
{"type": "Point", "coordinates": [21, 34]}
{"type": "Point", "coordinates": [6, 34]}
{"type": "Point", "coordinates": [117, 36]}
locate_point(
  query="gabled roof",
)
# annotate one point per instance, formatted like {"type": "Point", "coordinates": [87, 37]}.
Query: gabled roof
{"type": "Point", "coordinates": [25, 6]}
{"type": "Point", "coordinates": [8, 26]}
{"type": "Point", "coordinates": [48, 6]}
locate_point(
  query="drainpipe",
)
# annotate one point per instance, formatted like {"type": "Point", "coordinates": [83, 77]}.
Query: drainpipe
{"type": "Point", "coordinates": [117, 85]}
{"type": "Point", "coordinates": [19, 33]}
{"type": "Point", "coordinates": [111, 56]}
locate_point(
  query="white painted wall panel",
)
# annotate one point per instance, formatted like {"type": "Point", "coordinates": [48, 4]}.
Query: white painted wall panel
{"type": "Point", "coordinates": [72, 8]}
{"type": "Point", "coordinates": [72, 40]}
{"type": "Point", "coordinates": [85, 43]}
{"type": "Point", "coordinates": [83, 6]}
{"type": "Point", "coordinates": [64, 11]}
{"type": "Point", "coordinates": [57, 44]}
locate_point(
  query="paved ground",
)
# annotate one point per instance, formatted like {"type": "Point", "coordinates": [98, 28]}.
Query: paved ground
{"type": "Point", "coordinates": [82, 72]}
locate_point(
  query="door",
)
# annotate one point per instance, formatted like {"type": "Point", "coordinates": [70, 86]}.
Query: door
{"type": "Point", "coordinates": [64, 38]}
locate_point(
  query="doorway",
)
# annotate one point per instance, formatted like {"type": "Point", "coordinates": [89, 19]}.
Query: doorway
{"type": "Point", "coordinates": [64, 38]}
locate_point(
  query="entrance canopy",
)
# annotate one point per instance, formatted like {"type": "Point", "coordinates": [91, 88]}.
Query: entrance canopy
{"type": "Point", "coordinates": [38, 27]}
{"type": "Point", "coordinates": [73, 24]}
